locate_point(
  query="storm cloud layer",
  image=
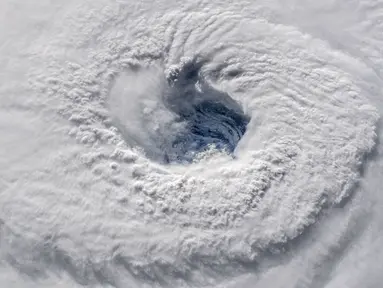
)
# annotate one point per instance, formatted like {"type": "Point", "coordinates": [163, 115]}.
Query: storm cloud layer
{"type": "Point", "coordinates": [187, 144]}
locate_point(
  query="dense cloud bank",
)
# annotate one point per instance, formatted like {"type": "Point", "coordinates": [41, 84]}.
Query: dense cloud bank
{"type": "Point", "coordinates": [168, 144]}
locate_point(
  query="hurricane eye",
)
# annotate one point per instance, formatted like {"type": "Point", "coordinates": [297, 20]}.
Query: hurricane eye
{"type": "Point", "coordinates": [211, 117]}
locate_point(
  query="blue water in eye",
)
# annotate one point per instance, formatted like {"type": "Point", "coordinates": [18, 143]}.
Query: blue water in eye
{"type": "Point", "coordinates": [210, 116]}
{"type": "Point", "coordinates": [211, 123]}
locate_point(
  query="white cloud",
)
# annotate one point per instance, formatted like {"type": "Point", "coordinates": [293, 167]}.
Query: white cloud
{"type": "Point", "coordinates": [78, 200]}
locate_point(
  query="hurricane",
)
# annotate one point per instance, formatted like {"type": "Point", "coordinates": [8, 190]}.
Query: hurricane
{"type": "Point", "coordinates": [191, 143]}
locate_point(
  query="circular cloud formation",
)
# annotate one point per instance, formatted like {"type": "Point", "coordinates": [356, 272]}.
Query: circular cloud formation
{"type": "Point", "coordinates": [134, 106]}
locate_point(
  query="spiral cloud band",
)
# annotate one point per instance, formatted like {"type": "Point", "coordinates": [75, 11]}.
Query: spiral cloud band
{"type": "Point", "coordinates": [198, 138]}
